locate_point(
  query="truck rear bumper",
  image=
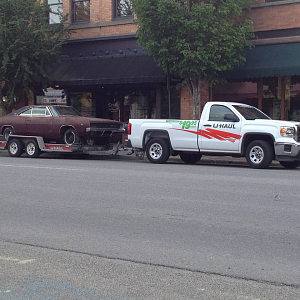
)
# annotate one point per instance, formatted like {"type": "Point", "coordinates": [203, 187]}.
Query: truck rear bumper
{"type": "Point", "coordinates": [287, 151]}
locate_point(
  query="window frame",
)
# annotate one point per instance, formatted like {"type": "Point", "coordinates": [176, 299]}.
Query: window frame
{"type": "Point", "coordinates": [56, 3]}
{"type": "Point", "coordinates": [115, 12]}
{"type": "Point", "coordinates": [73, 11]}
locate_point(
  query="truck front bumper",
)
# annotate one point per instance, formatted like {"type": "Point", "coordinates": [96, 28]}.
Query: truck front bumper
{"type": "Point", "coordinates": [287, 151]}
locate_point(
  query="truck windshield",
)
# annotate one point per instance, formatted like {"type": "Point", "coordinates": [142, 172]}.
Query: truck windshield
{"type": "Point", "coordinates": [250, 112]}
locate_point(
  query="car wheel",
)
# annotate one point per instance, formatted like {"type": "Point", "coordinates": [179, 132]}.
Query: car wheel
{"type": "Point", "coordinates": [259, 154]}
{"type": "Point", "coordinates": [15, 147]}
{"type": "Point", "coordinates": [7, 132]}
{"type": "Point", "coordinates": [290, 164]}
{"type": "Point", "coordinates": [71, 137]}
{"type": "Point", "coordinates": [190, 158]}
{"type": "Point", "coordinates": [158, 151]}
{"type": "Point", "coordinates": [32, 149]}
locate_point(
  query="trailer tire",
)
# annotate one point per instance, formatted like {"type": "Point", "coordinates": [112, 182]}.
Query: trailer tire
{"type": "Point", "coordinates": [7, 132]}
{"type": "Point", "coordinates": [71, 137]}
{"type": "Point", "coordinates": [15, 147]}
{"type": "Point", "coordinates": [290, 164]}
{"type": "Point", "coordinates": [158, 151]}
{"type": "Point", "coordinates": [32, 149]}
{"type": "Point", "coordinates": [259, 154]}
{"type": "Point", "coordinates": [190, 158]}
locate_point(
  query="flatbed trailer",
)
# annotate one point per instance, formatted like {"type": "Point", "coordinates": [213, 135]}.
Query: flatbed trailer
{"type": "Point", "coordinates": [33, 146]}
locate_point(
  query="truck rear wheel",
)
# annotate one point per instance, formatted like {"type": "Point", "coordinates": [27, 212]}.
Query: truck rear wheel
{"type": "Point", "coordinates": [32, 149]}
{"type": "Point", "coordinates": [290, 164]}
{"type": "Point", "coordinates": [158, 151]}
{"type": "Point", "coordinates": [15, 147]}
{"type": "Point", "coordinates": [190, 158]}
{"type": "Point", "coordinates": [259, 154]}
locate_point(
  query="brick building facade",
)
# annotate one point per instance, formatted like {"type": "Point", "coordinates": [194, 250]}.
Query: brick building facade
{"type": "Point", "coordinates": [103, 63]}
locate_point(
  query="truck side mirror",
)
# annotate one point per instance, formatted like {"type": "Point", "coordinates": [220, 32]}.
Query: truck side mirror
{"type": "Point", "coordinates": [231, 117]}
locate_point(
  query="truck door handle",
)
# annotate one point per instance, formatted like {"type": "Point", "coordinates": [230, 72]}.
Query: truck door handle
{"type": "Point", "coordinates": [207, 125]}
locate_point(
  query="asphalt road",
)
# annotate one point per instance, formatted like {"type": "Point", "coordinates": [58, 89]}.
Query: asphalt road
{"type": "Point", "coordinates": [121, 228]}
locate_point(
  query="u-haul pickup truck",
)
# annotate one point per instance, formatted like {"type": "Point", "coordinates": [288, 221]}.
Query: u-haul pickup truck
{"type": "Point", "coordinates": [225, 128]}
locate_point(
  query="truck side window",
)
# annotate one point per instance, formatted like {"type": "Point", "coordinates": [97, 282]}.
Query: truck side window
{"type": "Point", "coordinates": [217, 113]}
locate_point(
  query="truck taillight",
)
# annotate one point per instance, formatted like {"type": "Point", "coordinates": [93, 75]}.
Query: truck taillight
{"type": "Point", "coordinates": [129, 128]}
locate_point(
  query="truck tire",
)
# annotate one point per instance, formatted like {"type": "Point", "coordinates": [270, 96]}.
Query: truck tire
{"type": "Point", "coordinates": [259, 154]}
{"type": "Point", "coordinates": [15, 147]}
{"type": "Point", "coordinates": [7, 132]}
{"type": "Point", "coordinates": [158, 151]}
{"type": "Point", "coordinates": [290, 164]}
{"type": "Point", "coordinates": [190, 158]}
{"type": "Point", "coordinates": [32, 149]}
{"type": "Point", "coordinates": [71, 137]}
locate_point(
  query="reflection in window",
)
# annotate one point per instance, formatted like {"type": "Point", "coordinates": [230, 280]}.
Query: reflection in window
{"type": "Point", "coordinates": [123, 8]}
{"type": "Point", "coordinates": [217, 113]}
{"type": "Point", "coordinates": [81, 10]}
{"type": "Point", "coordinates": [56, 11]}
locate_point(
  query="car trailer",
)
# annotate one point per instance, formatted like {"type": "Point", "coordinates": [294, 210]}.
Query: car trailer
{"type": "Point", "coordinates": [33, 146]}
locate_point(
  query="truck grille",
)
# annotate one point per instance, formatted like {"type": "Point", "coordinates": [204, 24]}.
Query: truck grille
{"type": "Point", "coordinates": [298, 134]}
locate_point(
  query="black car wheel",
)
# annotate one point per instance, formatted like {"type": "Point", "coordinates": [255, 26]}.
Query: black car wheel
{"type": "Point", "coordinates": [7, 132]}
{"type": "Point", "coordinates": [71, 137]}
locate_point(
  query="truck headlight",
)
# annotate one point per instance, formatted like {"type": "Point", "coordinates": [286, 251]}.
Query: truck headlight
{"type": "Point", "coordinates": [287, 131]}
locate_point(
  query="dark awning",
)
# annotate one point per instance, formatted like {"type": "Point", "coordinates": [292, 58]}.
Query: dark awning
{"type": "Point", "coordinates": [138, 68]}
{"type": "Point", "coordinates": [268, 61]}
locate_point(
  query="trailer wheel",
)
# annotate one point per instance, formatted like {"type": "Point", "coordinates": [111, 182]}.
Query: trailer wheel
{"type": "Point", "coordinates": [15, 147]}
{"type": "Point", "coordinates": [259, 154]}
{"type": "Point", "coordinates": [7, 132]}
{"type": "Point", "coordinates": [190, 158]}
{"type": "Point", "coordinates": [71, 137]}
{"type": "Point", "coordinates": [158, 151]}
{"type": "Point", "coordinates": [32, 149]}
{"type": "Point", "coordinates": [290, 164]}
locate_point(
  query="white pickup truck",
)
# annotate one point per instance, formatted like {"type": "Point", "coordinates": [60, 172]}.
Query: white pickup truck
{"type": "Point", "coordinates": [225, 128]}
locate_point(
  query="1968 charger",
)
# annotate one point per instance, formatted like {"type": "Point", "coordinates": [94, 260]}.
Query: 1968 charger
{"type": "Point", "coordinates": [62, 124]}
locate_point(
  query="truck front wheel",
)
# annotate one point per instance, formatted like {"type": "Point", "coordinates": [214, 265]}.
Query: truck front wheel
{"type": "Point", "coordinates": [290, 164]}
{"type": "Point", "coordinates": [158, 151]}
{"type": "Point", "coordinates": [259, 154]}
{"type": "Point", "coordinates": [190, 158]}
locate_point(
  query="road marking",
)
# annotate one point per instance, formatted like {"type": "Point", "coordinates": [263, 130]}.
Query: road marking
{"type": "Point", "coordinates": [17, 260]}
{"type": "Point", "coordinates": [50, 168]}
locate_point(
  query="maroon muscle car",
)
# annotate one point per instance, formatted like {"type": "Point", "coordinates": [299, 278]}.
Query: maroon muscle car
{"type": "Point", "coordinates": [62, 124]}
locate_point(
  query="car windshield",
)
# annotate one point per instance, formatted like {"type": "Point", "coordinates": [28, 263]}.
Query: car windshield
{"type": "Point", "coordinates": [250, 112]}
{"type": "Point", "coordinates": [65, 111]}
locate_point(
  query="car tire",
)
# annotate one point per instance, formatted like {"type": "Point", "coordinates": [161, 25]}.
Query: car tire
{"type": "Point", "coordinates": [158, 151]}
{"type": "Point", "coordinates": [7, 132]}
{"type": "Point", "coordinates": [32, 149]}
{"type": "Point", "coordinates": [190, 158]}
{"type": "Point", "coordinates": [71, 137]}
{"type": "Point", "coordinates": [290, 164]}
{"type": "Point", "coordinates": [259, 154]}
{"type": "Point", "coordinates": [15, 147]}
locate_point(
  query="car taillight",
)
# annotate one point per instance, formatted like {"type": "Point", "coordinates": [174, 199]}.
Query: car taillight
{"type": "Point", "coordinates": [129, 128]}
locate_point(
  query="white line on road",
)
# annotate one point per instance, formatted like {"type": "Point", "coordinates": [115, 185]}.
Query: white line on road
{"type": "Point", "coordinates": [51, 168]}
{"type": "Point", "coordinates": [17, 260]}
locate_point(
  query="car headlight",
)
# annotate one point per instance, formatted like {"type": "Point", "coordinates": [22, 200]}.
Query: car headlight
{"type": "Point", "coordinates": [287, 131]}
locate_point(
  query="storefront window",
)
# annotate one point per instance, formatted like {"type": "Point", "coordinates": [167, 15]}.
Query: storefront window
{"type": "Point", "coordinates": [83, 102]}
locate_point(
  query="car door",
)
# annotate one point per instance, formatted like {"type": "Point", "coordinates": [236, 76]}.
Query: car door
{"type": "Point", "coordinates": [39, 123]}
{"type": "Point", "coordinates": [220, 130]}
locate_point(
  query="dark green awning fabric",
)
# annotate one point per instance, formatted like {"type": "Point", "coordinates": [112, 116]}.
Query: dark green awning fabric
{"type": "Point", "coordinates": [268, 61]}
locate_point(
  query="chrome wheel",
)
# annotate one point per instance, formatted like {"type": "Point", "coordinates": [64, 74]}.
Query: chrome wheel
{"type": "Point", "coordinates": [30, 149]}
{"type": "Point", "coordinates": [13, 148]}
{"type": "Point", "coordinates": [155, 151]}
{"type": "Point", "coordinates": [256, 154]}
